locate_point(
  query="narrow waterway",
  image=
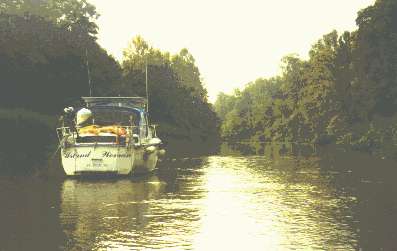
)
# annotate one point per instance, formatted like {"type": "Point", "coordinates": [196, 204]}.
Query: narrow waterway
{"type": "Point", "coordinates": [210, 203]}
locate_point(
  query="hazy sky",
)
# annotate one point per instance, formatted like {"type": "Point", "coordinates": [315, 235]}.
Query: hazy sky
{"type": "Point", "coordinates": [233, 42]}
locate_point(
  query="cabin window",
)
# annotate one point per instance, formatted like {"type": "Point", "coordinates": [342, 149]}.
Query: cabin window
{"type": "Point", "coordinates": [107, 118]}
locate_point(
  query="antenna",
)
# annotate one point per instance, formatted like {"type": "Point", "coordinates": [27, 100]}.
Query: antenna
{"type": "Point", "coordinates": [147, 92]}
{"type": "Point", "coordinates": [88, 71]}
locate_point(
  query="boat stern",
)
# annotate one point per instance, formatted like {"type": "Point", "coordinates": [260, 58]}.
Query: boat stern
{"type": "Point", "coordinates": [94, 159]}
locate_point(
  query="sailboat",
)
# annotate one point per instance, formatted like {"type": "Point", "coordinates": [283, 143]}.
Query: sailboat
{"type": "Point", "coordinates": [109, 135]}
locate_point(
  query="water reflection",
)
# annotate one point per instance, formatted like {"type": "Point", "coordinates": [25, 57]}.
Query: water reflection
{"type": "Point", "coordinates": [86, 209]}
{"type": "Point", "coordinates": [159, 211]}
{"type": "Point", "coordinates": [329, 202]}
{"type": "Point", "coordinates": [282, 208]}
{"type": "Point", "coordinates": [113, 214]}
{"type": "Point", "coordinates": [218, 203]}
{"type": "Point", "coordinates": [29, 209]}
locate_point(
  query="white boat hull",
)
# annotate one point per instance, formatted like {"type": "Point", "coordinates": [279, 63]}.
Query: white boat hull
{"type": "Point", "coordinates": [108, 159]}
{"type": "Point", "coordinates": [78, 160]}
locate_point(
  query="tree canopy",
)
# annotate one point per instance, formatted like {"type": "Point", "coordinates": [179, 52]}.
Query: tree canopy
{"type": "Point", "coordinates": [344, 93]}
{"type": "Point", "coordinates": [177, 98]}
{"type": "Point", "coordinates": [43, 66]}
{"type": "Point", "coordinates": [70, 14]}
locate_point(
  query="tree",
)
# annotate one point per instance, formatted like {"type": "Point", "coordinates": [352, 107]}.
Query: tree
{"type": "Point", "coordinates": [43, 66]}
{"type": "Point", "coordinates": [70, 14]}
{"type": "Point", "coordinates": [375, 58]}
{"type": "Point", "coordinates": [224, 104]}
{"type": "Point", "coordinates": [184, 66]}
{"type": "Point", "coordinates": [174, 100]}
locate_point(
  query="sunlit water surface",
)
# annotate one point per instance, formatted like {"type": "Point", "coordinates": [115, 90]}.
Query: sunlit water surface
{"type": "Point", "coordinates": [214, 203]}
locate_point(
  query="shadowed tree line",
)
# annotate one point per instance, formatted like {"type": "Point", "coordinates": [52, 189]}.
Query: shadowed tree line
{"type": "Point", "coordinates": [44, 47]}
{"type": "Point", "coordinates": [177, 98]}
{"type": "Point", "coordinates": [345, 93]}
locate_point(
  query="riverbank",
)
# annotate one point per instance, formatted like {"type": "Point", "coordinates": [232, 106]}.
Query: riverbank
{"type": "Point", "coordinates": [27, 141]}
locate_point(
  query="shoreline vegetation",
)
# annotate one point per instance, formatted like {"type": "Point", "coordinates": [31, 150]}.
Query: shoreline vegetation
{"type": "Point", "coordinates": [44, 49]}
{"type": "Point", "coordinates": [344, 94]}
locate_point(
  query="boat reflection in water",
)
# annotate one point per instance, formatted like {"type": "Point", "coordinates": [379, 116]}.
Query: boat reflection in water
{"type": "Point", "coordinates": [107, 213]}
{"type": "Point", "coordinates": [224, 203]}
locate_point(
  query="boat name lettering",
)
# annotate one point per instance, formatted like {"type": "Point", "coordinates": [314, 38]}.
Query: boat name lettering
{"type": "Point", "coordinates": [77, 155]}
{"type": "Point", "coordinates": [116, 155]}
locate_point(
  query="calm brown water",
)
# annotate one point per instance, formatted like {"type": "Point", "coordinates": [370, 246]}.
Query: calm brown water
{"type": "Point", "coordinates": [211, 203]}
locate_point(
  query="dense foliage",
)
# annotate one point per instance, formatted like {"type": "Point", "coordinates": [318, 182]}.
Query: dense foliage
{"type": "Point", "coordinates": [44, 46]}
{"type": "Point", "coordinates": [344, 93]}
{"type": "Point", "coordinates": [177, 98]}
{"type": "Point", "coordinates": [44, 49]}
{"type": "Point", "coordinates": [43, 66]}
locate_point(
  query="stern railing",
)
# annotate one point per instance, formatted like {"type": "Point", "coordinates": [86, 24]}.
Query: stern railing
{"type": "Point", "coordinates": [130, 133]}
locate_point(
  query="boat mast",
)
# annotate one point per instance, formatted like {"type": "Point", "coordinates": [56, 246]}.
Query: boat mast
{"type": "Point", "coordinates": [147, 98]}
{"type": "Point", "coordinates": [147, 92]}
{"type": "Point", "coordinates": [88, 72]}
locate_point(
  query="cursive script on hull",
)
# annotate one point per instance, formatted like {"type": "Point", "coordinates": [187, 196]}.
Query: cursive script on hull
{"type": "Point", "coordinates": [106, 154]}
{"type": "Point", "coordinates": [75, 155]}
{"type": "Point", "coordinates": [116, 155]}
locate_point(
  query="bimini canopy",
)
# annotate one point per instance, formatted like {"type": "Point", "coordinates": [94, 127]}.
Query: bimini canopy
{"type": "Point", "coordinates": [118, 103]}
{"type": "Point", "coordinates": [116, 110]}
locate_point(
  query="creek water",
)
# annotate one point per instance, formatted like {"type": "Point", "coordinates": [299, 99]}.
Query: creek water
{"type": "Point", "coordinates": [210, 203]}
